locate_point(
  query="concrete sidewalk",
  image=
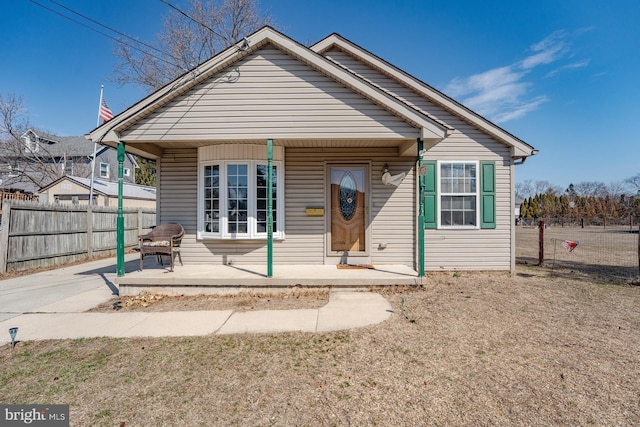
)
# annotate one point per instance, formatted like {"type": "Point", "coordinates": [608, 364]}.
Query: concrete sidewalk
{"type": "Point", "coordinates": [345, 310]}
{"type": "Point", "coordinates": [53, 305]}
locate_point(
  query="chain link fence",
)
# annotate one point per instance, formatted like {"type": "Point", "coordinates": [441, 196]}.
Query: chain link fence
{"type": "Point", "coordinates": [607, 251]}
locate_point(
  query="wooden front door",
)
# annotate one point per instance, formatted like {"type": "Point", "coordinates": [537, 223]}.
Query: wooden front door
{"type": "Point", "coordinates": [348, 202]}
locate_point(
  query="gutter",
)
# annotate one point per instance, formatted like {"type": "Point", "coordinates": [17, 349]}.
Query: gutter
{"type": "Point", "coordinates": [524, 158]}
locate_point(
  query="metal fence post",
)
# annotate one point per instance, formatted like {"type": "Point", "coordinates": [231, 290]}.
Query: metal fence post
{"type": "Point", "coordinates": [541, 244]}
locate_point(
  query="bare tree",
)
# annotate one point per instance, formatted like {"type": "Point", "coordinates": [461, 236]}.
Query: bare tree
{"type": "Point", "coordinates": [524, 189]}
{"type": "Point", "coordinates": [186, 41]}
{"type": "Point", "coordinates": [591, 188]}
{"type": "Point", "coordinates": [616, 188]}
{"type": "Point", "coordinates": [634, 182]}
{"type": "Point", "coordinates": [545, 187]}
{"type": "Point", "coordinates": [13, 116]}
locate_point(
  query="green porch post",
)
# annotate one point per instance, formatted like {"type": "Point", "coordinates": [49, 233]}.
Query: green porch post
{"type": "Point", "coordinates": [270, 208]}
{"type": "Point", "coordinates": [120, 218]}
{"type": "Point", "coordinates": [421, 210]}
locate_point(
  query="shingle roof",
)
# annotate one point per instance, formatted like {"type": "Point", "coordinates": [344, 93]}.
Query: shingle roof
{"type": "Point", "coordinates": [110, 188]}
{"type": "Point", "coordinates": [70, 145]}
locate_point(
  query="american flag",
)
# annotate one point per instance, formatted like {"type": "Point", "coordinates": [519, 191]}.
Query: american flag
{"type": "Point", "coordinates": [105, 111]}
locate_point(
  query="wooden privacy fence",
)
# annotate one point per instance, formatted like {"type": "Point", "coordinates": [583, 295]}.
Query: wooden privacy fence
{"type": "Point", "coordinates": [35, 235]}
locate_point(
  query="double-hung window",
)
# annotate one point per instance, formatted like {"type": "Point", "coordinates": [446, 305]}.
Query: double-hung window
{"type": "Point", "coordinates": [458, 194]}
{"type": "Point", "coordinates": [104, 170]}
{"type": "Point", "coordinates": [234, 197]}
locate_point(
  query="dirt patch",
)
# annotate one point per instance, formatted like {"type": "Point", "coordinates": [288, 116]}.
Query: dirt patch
{"type": "Point", "coordinates": [474, 349]}
{"type": "Point", "coordinates": [290, 299]}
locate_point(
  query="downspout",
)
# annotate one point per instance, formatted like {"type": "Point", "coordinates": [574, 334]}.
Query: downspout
{"type": "Point", "coordinates": [421, 210]}
{"type": "Point", "coordinates": [521, 162]}
{"type": "Point", "coordinates": [270, 208]}
{"type": "Point", "coordinates": [120, 217]}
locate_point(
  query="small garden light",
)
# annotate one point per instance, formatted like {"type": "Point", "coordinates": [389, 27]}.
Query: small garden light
{"type": "Point", "coordinates": [13, 332]}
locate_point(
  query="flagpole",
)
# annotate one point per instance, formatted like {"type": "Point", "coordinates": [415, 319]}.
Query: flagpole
{"type": "Point", "coordinates": [95, 148]}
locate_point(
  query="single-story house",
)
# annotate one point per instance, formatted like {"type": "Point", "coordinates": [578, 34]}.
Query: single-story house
{"type": "Point", "coordinates": [362, 155]}
{"type": "Point", "coordinates": [75, 190]}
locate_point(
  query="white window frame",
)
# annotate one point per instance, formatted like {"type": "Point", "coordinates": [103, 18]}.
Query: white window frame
{"type": "Point", "coordinates": [106, 175]}
{"type": "Point", "coordinates": [252, 222]}
{"type": "Point", "coordinates": [441, 194]}
{"type": "Point", "coordinates": [126, 172]}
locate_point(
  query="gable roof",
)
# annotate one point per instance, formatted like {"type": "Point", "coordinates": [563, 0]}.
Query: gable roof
{"type": "Point", "coordinates": [109, 188]}
{"type": "Point", "coordinates": [108, 133]}
{"type": "Point", "coordinates": [519, 147]}
{"type": "Point", "coordinates": [59, 146]}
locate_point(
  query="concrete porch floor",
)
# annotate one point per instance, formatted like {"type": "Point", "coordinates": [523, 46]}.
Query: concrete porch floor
{"type": "Point", "coordinates": [207, 279]}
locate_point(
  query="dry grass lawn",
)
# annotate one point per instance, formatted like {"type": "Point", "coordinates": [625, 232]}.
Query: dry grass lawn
{"type": "Point", "coordinates": [474, 349]}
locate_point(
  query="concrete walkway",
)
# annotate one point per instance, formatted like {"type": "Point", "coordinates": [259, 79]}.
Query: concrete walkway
{"type": "Point", "coordinates": [62, 318]}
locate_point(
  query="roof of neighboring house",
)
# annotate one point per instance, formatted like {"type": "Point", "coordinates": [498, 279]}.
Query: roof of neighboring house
{"type": "Point", "coordinates": [58, 146]}
{"type": "Point", "coordinates": [13, 184]}
{"type": "Point", "coordinates": [109, 188]}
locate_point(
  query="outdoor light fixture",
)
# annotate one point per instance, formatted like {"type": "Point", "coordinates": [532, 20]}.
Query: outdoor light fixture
{"type": "Point", "coordinates": [388, 179]}
{"type": "Point", "coordinates": [12, 333]}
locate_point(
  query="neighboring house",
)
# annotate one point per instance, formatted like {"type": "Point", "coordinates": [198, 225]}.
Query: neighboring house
{"type": "Point", "coordinates": [344, 123]}
{"type": "Point", "coordinates": [75, 190]}
{"type": "Point", "coordinates": [41, 158]}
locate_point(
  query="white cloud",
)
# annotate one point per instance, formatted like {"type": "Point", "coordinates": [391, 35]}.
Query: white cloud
{"type": "Point", "coordinates": [503, 93]}
{"type": "Point", "coordinates": [571, 66]}
{"type": "Point", "coordinates": [520, 110]}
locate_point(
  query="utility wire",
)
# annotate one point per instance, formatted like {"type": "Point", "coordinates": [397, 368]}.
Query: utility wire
{"type": "Point", "coordinates": [107, 35]}
{"type": "Point", "coordinates": [111, 29]}
{"type": "Point", "coordinates": [180, 11]}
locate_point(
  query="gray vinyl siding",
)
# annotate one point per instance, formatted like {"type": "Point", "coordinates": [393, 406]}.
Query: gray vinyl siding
{"type": "Point", "coordinates": [393, 213]}
{"type": "Point", "coordinates": [178, 185]}
{"type": "Point", "coordinates": [392, 209]}
{"type": "Point", "coordinates": [456, 249]}
{"type": "Point", "coordinates": [269, 94]}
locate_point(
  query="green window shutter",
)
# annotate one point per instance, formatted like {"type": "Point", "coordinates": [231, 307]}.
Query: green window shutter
{"type": "Point", "coordinates": [487, 195]}
{"type": "Point", "coordinates": [430, 196]}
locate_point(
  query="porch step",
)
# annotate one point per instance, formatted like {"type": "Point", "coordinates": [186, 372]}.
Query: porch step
{"type": "Point", "coordinates": [205, 279]}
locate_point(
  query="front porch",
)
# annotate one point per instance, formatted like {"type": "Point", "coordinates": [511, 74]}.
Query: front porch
{"type": "Point", "coordinates": [212, 279]}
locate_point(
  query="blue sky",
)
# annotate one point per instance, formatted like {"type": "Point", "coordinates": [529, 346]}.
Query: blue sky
{"type": "Point", "coordinates": [563, 76]}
